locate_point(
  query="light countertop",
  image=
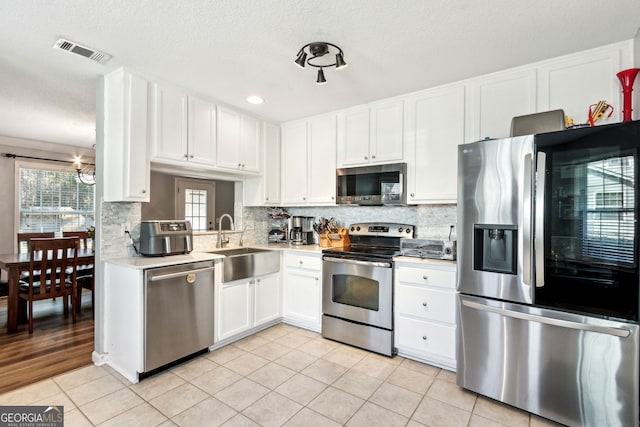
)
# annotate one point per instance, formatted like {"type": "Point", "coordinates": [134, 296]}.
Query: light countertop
{"type": "Point", "coordinates": [289, 247]}
{"type": "Point", "coordinates": [425, 261]}
{"type": "Point", "coordinates": [141, 262]}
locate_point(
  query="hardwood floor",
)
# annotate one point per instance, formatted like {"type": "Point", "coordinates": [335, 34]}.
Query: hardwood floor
{"type": "Point", "coordinates": [57, 345]}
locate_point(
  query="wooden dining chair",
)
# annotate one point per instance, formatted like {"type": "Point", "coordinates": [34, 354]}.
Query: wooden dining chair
{"type": "Point", "coordinates": [23, 239]}
{"type": "Point", "coordinates": [23, 245]}
{"type": "Point", "coordinates": [60, 258]}
{"type": "Point", "coordinates": [85, 278]}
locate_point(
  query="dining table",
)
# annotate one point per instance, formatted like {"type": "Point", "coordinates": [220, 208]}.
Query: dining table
{"type": "Point", "coordinates": [16, 263]}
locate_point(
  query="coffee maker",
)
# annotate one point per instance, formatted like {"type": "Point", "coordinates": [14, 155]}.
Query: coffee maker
{"type": "Point", "coordinates": [301, 230]}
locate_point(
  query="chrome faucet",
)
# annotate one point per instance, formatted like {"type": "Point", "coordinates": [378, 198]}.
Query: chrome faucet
{"type": "Point", "coordinates": [221, 239]}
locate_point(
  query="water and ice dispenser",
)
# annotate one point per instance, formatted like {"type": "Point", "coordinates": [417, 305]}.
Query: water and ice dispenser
{"type": "Point", "coordinates": [495, 248]}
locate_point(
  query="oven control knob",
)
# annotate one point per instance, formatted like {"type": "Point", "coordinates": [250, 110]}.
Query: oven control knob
{"type": "Point", "coordinates": [408, 230]}
{"type": "Point", "coordinates": [400, 230]}
{"type": "Point", "coordinates": [353, 228]}
{"type": "Point", "coordinates": [358, 228]}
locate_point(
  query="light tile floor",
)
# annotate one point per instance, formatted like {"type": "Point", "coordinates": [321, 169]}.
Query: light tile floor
{"type": "Point", "coordinates": [280, 376]}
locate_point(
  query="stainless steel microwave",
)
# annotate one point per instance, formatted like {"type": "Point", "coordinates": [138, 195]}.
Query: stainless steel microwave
{"type": "Point", "coordinates": [372, 185]}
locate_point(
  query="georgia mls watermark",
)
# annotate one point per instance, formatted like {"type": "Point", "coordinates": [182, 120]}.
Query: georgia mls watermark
{"type": "Point", "coordinates": [31, 416]}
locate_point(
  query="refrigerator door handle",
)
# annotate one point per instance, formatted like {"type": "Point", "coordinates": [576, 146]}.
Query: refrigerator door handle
{"type": "Point", "coordinates": [618, 332]}
{"type": "Point", "coordinates": [538, 241]}
{"type": "Point", "coordinates": [526, 221]}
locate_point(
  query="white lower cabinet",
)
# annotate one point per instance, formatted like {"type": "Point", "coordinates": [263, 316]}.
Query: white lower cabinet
{"type": "Point", "coordinates": [267, 299]}
{"type": "Point", "coordinates": [302, 289]}
{"type": "Point", "coordinates": [247, 303]}
{"type": "Point", "coordinates": [425, 312]}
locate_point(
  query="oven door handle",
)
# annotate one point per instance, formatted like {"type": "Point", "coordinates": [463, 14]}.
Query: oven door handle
{"type": "Point", "coordinates": [358, 262]}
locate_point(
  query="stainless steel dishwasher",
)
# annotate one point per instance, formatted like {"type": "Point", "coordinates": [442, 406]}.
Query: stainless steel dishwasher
{"type": "Point", "coordinates": [179, 312]}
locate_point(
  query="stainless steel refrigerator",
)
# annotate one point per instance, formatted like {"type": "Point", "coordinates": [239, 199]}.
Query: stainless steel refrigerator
{"type": "Point", "coordinates": [548, 273]}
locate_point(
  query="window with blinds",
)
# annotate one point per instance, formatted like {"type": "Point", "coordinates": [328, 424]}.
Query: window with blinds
{"type": "Point", "coordinates": [54, 200]}
{"type": "Point", "coordinates": [609, 226]}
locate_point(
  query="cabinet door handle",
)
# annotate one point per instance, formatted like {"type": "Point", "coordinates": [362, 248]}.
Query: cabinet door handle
{"type": "Point", "coordinates": [412, 194]}
{"type": "Point", "coordinates": [304, 198]}
{"type": "Point", "coordinates": [425, 277]}
{"type": "Point", "coordinates": [191, 156]}
{"type": "Point", "coordinates": [300, 262]}
{"type": "Point", "coordinates": [186, 156]}
{"type": "Point", "coordinates": [373, 156]}
{"type": "Point", "coordinates": [366, 158]}
{"type": "Point", "coordinates": [424, 303]}
{"type": "Point", "coordinates": [239, 165]}
{"type": "Point", "coordinates": [424, 337]}
{"type": "Point", "coordinates": [266, 198]}
{"type": "Point", "coordinates": [144, 191]}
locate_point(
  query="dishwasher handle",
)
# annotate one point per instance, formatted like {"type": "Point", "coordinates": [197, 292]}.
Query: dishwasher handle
{"type": "Point", "coordinates": [179, 274]}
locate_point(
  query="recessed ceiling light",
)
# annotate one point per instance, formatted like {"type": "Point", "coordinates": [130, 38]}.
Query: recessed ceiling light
{"type": "Point", "coordinates": [254, 99]}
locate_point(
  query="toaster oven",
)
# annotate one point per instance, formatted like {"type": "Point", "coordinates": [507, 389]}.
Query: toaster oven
{"type": "Point", "coordinates": [433, 249]}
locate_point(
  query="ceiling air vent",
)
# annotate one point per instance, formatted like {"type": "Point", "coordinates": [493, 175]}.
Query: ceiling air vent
{"type": "Point", "coordinates": [71, 47]}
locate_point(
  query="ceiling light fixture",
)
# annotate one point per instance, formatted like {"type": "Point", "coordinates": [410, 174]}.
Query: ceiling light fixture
{"type": "Point", "coordinates": [86, 172]}
{"type": "Point", "coordinates": [313, 51]}
{"type": "Point", "coordinates": [255, 99]}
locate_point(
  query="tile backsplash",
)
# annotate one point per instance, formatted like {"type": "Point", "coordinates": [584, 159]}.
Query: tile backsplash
{"type": "Point", "coordinates": [431, 221]}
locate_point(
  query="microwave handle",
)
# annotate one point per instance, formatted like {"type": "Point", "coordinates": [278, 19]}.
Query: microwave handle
{"type": "Point", "coordinates": [538, 241]}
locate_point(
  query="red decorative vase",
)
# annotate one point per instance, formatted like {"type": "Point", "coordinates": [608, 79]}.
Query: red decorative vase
{"type": "Point", "coordinates": [626, 80]}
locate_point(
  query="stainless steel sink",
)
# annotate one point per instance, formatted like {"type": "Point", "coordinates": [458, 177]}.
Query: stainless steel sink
{"type": "Point", "coordinates": [238, 251]}
{"type": "Point", "coordinates": [242, 263]}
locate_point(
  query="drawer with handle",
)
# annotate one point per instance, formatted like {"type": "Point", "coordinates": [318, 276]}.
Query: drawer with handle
{"type": "Point", "coordinates": [426, 337]}
{"type": "Point", "coordinates": [427, 276]}
{"type": "Point", "coordinates": [426, 303]}
{"type": "Point", "coordinates": [302, 261]}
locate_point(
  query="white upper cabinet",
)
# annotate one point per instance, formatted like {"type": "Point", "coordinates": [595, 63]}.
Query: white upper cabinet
{"type": "Point", "coordinates": [184, 127]}
{"type": "Point", "coordinates": [387, 132]}
{"type": "Point", "coordinates": [294, 162]}
{"type": "Point", "coordinates": [272, 164]}
{"type": "Point", "coordinates": [309, 161]}
{"type": "Point", "coordinates": [202, 131]}
{"type": "Point", "coordinates": [190, 129]}
{"type": "Point", "coordinates": [228, 138]}
{"type": "Point", "coordinates": [169, 119]}
{"type": "Point", "coordinates": [353, 137]}
{"type": "Point", "coordinates": [435, 127]}
{"type": "Point", "coordinates": [124, 137]}
{"type": "Point", "coordinates": [322, 159]}
{"type": "Point", "coordinates": [238, 141]}
{"type": "Point", "coordinates": [371, 134]}
{"type": "Point", "coordinates": [494, 100]}
{"type": "Point", "coordinates": [574, 82]}
{"type": "Point", "coordinates": [265, 190]}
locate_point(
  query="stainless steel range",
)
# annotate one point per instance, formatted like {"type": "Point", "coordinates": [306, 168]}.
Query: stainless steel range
{"type": "Point", "coordinates": [357, 286]}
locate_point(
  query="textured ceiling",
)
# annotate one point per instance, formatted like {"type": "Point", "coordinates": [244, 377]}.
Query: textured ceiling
{"type": "Point", "coordinates": [229, 49]}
